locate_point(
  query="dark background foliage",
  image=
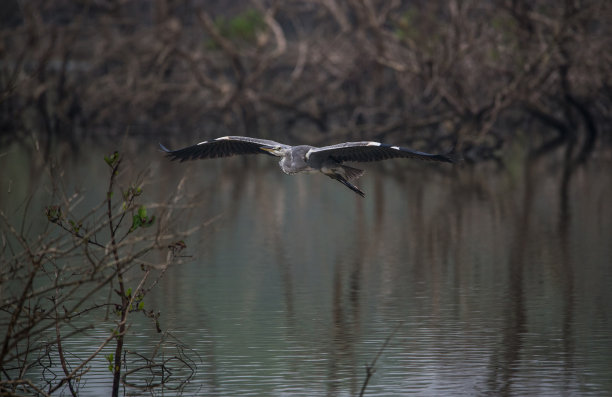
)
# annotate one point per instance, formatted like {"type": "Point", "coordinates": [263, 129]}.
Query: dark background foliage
{"type": "Point", "coordinates": [430, 74]}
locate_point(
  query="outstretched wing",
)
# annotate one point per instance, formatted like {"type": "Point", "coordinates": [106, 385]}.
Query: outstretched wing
{"type": "Point", "coordinates": [371, 151]}
{"type": "Point", "coordinates": [221, 147]}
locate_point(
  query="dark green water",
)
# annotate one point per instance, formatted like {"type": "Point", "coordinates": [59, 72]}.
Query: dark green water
{"type": "Point", "coordinates": [495, 282]}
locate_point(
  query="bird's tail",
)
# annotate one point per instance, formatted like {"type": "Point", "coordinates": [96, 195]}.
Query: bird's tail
{"type": "Point", "coordinates": [351, 173]}
{"type": "Point", "coordinates": [346, 183]}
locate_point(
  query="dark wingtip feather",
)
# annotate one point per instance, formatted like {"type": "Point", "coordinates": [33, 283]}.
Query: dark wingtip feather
{"type": "Point", "coordinates": [451, 157]}
{"type": "Point", "coordinates": [171, 154]}
{"type": "Point", "coordinates": [447, 158]}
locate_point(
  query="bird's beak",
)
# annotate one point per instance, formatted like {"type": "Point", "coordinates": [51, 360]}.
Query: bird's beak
{"type": "Point", "coordinates": [269, 149]}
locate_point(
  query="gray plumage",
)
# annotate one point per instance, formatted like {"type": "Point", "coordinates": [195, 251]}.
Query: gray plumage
{"type": "Point", "coordinates": [327, 159]}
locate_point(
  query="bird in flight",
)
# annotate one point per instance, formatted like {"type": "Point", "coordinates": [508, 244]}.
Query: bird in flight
{"type": "Point", "coordinates": [303, 158]}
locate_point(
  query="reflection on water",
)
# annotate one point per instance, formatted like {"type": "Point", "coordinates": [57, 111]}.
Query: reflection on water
{"type": "Point", "coordinates": [500, 282]}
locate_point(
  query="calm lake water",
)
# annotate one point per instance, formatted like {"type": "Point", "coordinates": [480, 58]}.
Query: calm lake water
{"type": "Point", "coordinates": [483, 281]}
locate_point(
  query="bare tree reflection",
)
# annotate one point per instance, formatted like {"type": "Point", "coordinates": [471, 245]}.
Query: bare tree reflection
{"type": "Point", "coordinates": [566, 271]}
{"type": "Point", "coordinates": [504, 363]}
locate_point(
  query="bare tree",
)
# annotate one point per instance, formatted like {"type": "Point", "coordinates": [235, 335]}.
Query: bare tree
{"type": "Point", "coordinates": [78, 274]}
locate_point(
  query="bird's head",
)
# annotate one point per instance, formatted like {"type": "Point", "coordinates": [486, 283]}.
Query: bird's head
{"type": "Point", "coordinates": [278, 151]}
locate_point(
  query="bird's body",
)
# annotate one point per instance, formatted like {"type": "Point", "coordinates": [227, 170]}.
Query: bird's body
{"type": "Point", "coordinates": [295, 161]}
{"type": "Point", "coordinates": [303, 158]}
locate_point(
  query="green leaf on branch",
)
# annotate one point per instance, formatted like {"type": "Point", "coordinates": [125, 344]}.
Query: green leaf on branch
{"type": "Point", "coordinates": [109, 358]}
{"type": "Point", "coordinates": [135, 191]}
{"type": "Point", "coordinates": [132, 192]}
{"type": "Point", "coordinates": [136, 223]}
{"type": "Point", "coordinates": [54, 213]}
{"type": "Point", "coordinates": [142, 212]}
{"type": "Point", "coordinates": [76, 227]}
{"type": "Point", "coordinates": [112, 159]}
{"type": "Point", "coordinates": [141, 219]}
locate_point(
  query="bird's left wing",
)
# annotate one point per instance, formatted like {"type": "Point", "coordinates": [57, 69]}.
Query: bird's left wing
{"type": "Point", "coordinates": [221, 147]}
{"type": "Point", "coordinates": [371, 151]}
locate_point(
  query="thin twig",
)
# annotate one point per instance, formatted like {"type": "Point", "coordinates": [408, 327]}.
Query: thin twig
{"type": "Point", "coordinates": [371, 368]}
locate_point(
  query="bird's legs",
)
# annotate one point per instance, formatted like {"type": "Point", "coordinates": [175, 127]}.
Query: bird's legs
{"type": "Point", "coordinates": [343, 174]}
{"type": "Point", "coordinates": [346, 183]}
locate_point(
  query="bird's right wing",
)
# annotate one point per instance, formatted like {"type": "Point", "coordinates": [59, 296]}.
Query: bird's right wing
{"type": "Point", "coordinates": [371, 151]}
{"type": "Point", "coordinates": [221, 147]}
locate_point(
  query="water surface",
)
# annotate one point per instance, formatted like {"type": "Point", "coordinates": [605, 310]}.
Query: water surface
{"type": "Point", "coordinates": [483, 281]}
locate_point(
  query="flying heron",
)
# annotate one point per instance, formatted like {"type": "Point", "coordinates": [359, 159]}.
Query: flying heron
{"type": "Point", "coordinates": [303, 158]}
